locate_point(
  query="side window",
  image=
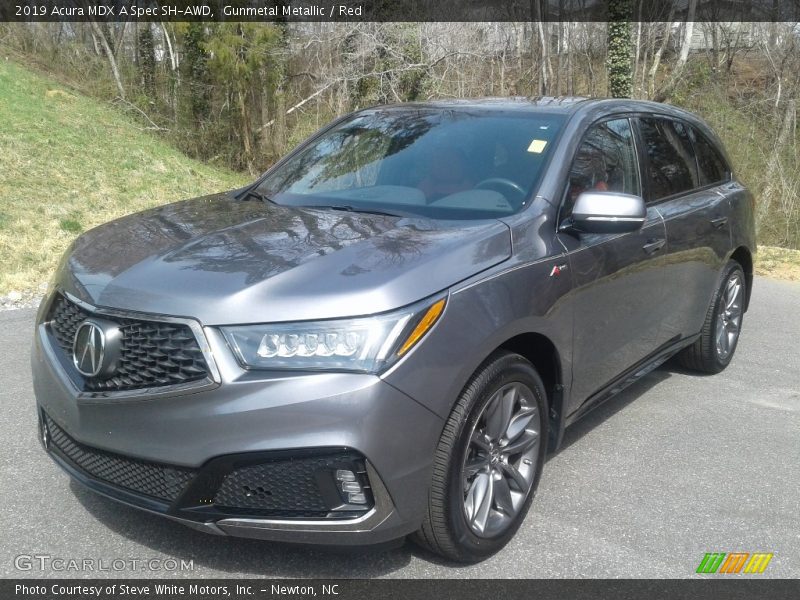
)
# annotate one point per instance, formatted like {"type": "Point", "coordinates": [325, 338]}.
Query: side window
{"type": "Point", "coordinates": [710, 163]}
{"type": "Point", "coordinates": [671, 165]}
{"type": "Point", "coordinates": [605, 161]}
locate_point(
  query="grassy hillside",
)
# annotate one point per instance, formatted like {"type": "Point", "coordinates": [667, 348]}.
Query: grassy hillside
{"type": "Point", "coordinates": [68, 163]}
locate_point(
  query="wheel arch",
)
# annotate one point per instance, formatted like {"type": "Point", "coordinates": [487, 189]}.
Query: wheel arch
{"type": "Point", "coordinates": [542, 353]}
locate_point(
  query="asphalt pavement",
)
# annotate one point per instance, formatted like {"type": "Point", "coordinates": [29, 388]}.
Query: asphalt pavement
{"type": "Point", "coordinates": [676, 466]}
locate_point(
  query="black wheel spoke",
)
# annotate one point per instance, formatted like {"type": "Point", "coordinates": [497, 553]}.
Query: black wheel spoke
{"type": "Point", "coordinates": [480, 441]}
{"type": "Point", "coordinates": [475, 464]}
{"type": "Point", "coordinates": [520, 483]}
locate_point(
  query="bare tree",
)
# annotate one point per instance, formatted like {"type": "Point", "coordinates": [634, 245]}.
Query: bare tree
{"type": "Point", "coordinates": [101, 36]}
{"type": "Point", "coordinates": [677, 70]}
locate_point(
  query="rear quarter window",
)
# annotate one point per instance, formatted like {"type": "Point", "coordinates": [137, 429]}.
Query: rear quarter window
{"type": "Point", "coordinates": [710, 164]}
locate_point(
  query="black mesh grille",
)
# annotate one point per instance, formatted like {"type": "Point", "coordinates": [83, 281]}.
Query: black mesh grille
{"type": "Point", "coordinates": [152, 479]}
{"type": "Point", "coordinates": [153, 353]}
{"type": "Point", "coordinates": [284, 488]}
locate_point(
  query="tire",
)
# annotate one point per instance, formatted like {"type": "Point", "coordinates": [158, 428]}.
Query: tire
{"type": "Point", "coordinates": [468, 461]}
{"type": "Point", "coordinates": [706, 355]}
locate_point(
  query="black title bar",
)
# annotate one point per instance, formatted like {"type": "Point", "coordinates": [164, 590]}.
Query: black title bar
{"type": "Point", "coordinates": [732, 588]}
{"type": "Point", "coordinates": [397, 10]}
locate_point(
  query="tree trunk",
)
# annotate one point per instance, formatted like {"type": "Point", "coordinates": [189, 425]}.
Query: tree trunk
{"type": "Point", "coordinates": [110, 55]}
{"type": "Point", "coordinates": [637, 44]}
{"type": "Point", "coordinates": [651, 76]}
{"type": "Point", "coordinates": [173, 62]}
{"type": "Point", "coordinates": [546, 69]}
{"type": "Point", "coordinates": [774, 165]}
{"type": "Point", "coordinates": [246, 129]}
{"type": "Point", "coordinates": [688, 29]}
{"type": "Point", "coordinates": [120, 38]}
{"type": "Point", "coordinates": [618, 63]}
{"type": "Point", "coordinates": [686, 44]}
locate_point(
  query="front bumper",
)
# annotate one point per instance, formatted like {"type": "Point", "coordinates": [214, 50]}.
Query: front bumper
{"type": "Point", "coordinates": [247, 419]}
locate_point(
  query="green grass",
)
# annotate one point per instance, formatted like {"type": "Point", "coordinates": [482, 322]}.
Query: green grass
{"type": "Point", "coordinates": [778, 263]}
{"type": "Point", "coordinates": [69, 163]}
{"type": "Point", "coordinates": [748, 128]}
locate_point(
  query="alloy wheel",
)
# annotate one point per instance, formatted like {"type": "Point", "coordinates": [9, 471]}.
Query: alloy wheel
{"type": "Point", "coordinates": [500, 462]}
{"type": "Point", "coordinates": [729, 316]}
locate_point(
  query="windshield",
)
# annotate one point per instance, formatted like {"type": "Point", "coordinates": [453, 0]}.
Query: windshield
{"type": "Point", "coordinates": [442, 164]}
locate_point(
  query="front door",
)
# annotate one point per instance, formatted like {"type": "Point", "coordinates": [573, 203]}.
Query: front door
{"type": "Point", "coordinates": [617, 279]}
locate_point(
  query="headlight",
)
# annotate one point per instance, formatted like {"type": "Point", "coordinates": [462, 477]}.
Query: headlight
{"type": "Point", "coordinates": [367, 344]}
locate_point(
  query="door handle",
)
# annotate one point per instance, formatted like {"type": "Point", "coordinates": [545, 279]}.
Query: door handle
{"type": "Point", "coordinates": [719, 222]}
{"type": "Point", "coordinates": [653, 246]}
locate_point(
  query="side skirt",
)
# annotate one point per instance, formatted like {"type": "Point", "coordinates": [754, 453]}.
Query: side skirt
{"type": "Point", "coordinates": [636, 372]}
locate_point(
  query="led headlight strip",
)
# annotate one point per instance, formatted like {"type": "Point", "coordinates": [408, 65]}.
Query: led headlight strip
{"type": "Point", "coordinates": [364, 344]}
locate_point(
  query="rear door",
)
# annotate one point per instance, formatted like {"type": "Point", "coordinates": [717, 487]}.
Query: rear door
{"type": "Point", "coordinates": [684, 173]}
{"type": "Point", "coordinates": [617, 279]}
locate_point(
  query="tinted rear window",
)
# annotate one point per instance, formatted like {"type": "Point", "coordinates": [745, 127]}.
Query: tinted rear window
{"type": "Point", "coordinates": [671, 164]}
{"type": "Point", "coordinates": [712, 167]}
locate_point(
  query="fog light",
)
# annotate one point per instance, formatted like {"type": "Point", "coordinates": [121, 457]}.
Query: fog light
{"type": "Point", "coordinates": [359, 498]}
{"type": "Point", "coordinates": [350, 487]}
{"type": "Point", "coordinates": [342, 475]}
{"type": "Point", "coordinates": [44, 432]}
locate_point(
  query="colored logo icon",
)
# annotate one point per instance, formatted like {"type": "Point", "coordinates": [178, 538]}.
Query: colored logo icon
{"type": "Point", "coordinates": [731, 563]}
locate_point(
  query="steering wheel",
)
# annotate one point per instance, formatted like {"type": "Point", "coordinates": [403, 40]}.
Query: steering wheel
{"type": "Point", "coordinates": [501, 185]}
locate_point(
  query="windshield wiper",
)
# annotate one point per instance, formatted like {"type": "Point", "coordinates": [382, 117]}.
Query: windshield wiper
{"type": "Point", "coordinates": [349, 208]}
{"type": "Point", "coordinates": [341, 207]}
{"type": "Point", "coordinates": [259, 196]}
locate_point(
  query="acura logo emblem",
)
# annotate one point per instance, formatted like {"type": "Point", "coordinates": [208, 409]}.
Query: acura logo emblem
{"type": "Point", "coordinates": [88, 349]}
{"type": "Point", "coordinates": [95, 348]}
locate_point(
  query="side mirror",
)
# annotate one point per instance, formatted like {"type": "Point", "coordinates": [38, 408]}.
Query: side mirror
{"type": "Point", "coordinates": [606, 212]}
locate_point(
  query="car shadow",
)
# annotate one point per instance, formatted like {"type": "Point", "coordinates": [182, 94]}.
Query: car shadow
{"type": "Point", "coordinates": [615, 404]}
{"type": "Point", "coordinates": [239, 555]}
{"type": "Point", "coordinates": [259, 557]}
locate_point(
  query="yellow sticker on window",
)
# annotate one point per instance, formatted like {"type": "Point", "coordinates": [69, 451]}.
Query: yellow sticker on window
{"type": "Point", "coordinates": [537, 146]}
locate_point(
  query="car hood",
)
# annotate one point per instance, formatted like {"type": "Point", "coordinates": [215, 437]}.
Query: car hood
{"type": "Point", "coordinates": [225, 261]}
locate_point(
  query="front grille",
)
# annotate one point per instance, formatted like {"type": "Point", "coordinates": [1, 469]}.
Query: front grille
{"type": "Point", "coordinates": [148, 478]}
{"type": "Point", "coordinates": [289, 487]}
{"type": "Point", "coordinates": [152, 353]}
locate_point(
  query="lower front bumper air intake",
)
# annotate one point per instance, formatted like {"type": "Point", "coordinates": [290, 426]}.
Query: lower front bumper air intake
{"type": "Point", "coordinates": [322, 495]}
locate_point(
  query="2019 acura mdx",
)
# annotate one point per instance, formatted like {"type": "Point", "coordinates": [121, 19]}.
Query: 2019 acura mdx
{"type": "Point", "coordinates": [385, 332]}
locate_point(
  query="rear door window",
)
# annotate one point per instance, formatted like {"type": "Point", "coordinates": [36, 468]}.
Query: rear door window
{"type": "Point", "coordinates": [671, 165]}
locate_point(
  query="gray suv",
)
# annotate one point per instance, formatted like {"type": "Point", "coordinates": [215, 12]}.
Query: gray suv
{"type": "Point", "coordinates": [385, 333]}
